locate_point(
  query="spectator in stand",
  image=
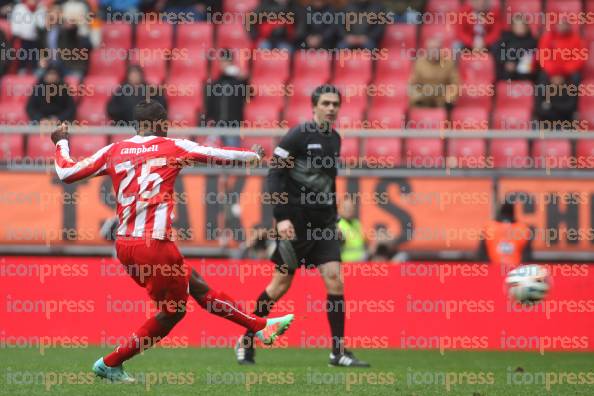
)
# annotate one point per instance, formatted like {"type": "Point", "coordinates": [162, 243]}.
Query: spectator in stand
{"type": "Point", "coordinates": [188, 10]}
{"type": "Point", "coordinates": [479, 25]}
{"type": "Point", "coordinates": [556, 106]}
{"type": "Point", "coordinates": [275, 28]}
{"type": "Point", "coordinates": [51, 100]}
{"type": "Point", "coordinates": [72, 38]}
{"type": "Point", "coordinates": [515, 52]}
{"type": "Point", "coordinates": [114, 10]}
{"type": "Point", "coordinates": [362, 33]}
{"type": "Point", "coordinates": [5, 45]}
{"type": "Point", "coordinates": [313, 29]}
{"type": "Point", "coordinates": [406, 11]}
{"type": "Point", "coordinates": [6, 7]}
{"type": "Point", "coordinates": [225, 98]}
{"type": "Point", "coordinates": [26, 22]}
{"type": "Point", "coordinates": [562, 53]}
{"type": "Point", "coordinates": [435, 80]}
{"type": "Point", "coordinates": [132, 91]}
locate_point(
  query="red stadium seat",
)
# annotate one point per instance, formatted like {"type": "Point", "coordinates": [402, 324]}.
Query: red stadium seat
{"type": "Point", "coordinates": [239, 6]}
{"type": "Point", "coordinates": [5, 27]}
{"type": "Point", "coordinates": [400, 36]}
{"type": "Point", "coordinates": [446, 33]}
{"type": "Point", "coordinates": [195, 66]}
{"type": "Point", "coordinates": [183, 114]}
{"type": "Point", "coordinates": [394, 68]}
{"type": "Point", "coordinates": [584, 152]}
{"type": "Point", "coordinates": [588, 33]}
{"type": "Point", "coordinates": [388, 150]}
{"type": "Point", "coordinates": [261, 116]}
{"type": "Point", "coordinates": [512, 118]}
{"type": "Point", "coordinates": [470, 118]}
{"type": "Point", "coordinates": [476, 95]}
{"type": "Point", "coordinates": [194, 36]}
{"type": "Point", "coordinates": [551, 153]}
{"type": "Point", "coordinates": [270, 95]}
{"type": "Point", "coordinates": [309, 66]}
{"type": "Point", "coordinates": [103, 63]}
{"type": "Point", "coordinates": [40, 147]}
{"type": "Point", "coordinates": [390, 94]}
{"type": "Point", "coordinates": [469, 153]}
{"type": "Point", "coordinates": [424, 153]}
{"type": "Point", "coordinates": [352, 69]}
{"type": "Point", "coordinates": [442, 6]}
{"type": "Point", "coordinates": [478, 69]}
{"type": "Point", "coordinates": [386, 117]}
{"type": "Point", "coordinates": [116, 35]}
{"type": "Point", "coordinates": [350, 115]}
{"type": "Point", "coordinates": [12, 146]}
{"type": "Point", "coordinates": [184, 89]}
{"type": "Point", "coordinates": [92, 111]}
{"type": "Point", "coordinates": [297, 113]}
{"type": "Point", "coordinates": [420, 118]}
{"type": "Point", "coordinates": [233, 35]}
{"type": "Point", "coordinates": [82, 146]}
{"type": "Point", "coordinates": [349, 151]}
{"type": "Point", "coordinates": [354, 96]}
{"type": "Point", "coordinates": [154, 36]}
{"type": "Point", "coordinates": [514, 94]}
{"type": "Point", "coordinates": [302, 90]}
{"type": "Point", "coordinates": [587, 118]}
{"type": "Point", "coordinates": [17, 88]}
{"type": "Point", "coordinates": [589, 5]}
{"type": "Point", "coordinates": [13, 113]}
{"type": "Point", "coordinates": [102, 86]}
{"type": "Point", "coordinates": [271, 70]}
{"type": "Point", "coordinates": [510, 153]}
{"type": "Point", "coordinates": [210, 140]}
{"type": "Point", "coordinates": [267, 143]}
{"type": "Point", "coordinates": [563, 6]}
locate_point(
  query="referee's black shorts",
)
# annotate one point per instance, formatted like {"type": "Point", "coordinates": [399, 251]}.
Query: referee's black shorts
{"type": "Point", "coordinates": [317, 239]}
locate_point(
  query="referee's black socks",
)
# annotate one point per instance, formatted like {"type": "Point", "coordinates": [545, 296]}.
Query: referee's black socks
{"type": "Point", "coordinates": [336, 314]}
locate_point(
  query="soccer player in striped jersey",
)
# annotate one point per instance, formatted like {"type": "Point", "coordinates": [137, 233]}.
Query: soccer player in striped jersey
{"type": "Point", "coordinates": [143, 170]}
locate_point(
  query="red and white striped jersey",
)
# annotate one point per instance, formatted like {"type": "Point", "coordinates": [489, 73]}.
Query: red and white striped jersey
{"type": "Point", "coordinates": [143, 170]}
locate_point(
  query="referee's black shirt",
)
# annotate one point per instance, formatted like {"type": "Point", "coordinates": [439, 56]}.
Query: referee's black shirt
{"type": "Point", "coordinates": [304, 168]}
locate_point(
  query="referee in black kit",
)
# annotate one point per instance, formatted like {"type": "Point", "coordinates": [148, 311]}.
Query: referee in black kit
{"type": "Point", "coordinates": [306, 225]}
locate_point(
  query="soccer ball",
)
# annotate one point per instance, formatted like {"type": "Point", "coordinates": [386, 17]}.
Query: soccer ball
{"type": "Point", "coordinates": [528, 284]}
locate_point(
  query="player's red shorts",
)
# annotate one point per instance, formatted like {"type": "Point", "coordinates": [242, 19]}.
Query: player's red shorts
{"type": "Point", "coordinates": [158, 266]}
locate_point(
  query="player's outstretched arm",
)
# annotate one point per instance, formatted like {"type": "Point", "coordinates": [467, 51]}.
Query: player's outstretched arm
{"type": "Point", "coordinates": [192, 152]}
{"type": "Point", "coordinates": [69, 170]}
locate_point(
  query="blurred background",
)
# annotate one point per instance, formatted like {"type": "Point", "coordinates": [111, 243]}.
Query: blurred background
{"type": "Point", "coordinates": [450, 110]}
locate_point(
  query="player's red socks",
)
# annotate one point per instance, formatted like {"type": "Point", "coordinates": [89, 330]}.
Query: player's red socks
{"type": "Point", "coordinates": [149, 334]}
{"type": "Point", "coordinates": [222, 305]}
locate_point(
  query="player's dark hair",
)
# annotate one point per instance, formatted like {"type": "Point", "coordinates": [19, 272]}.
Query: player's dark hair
{"type": "Point", "coordinates": [324, 89]}
{"type": "Point", "coordinates": [150, 116]}
{"type": "Point", "coordinates": [507, 212]}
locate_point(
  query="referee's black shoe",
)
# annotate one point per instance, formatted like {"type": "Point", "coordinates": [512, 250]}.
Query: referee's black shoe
{"type": "Point", "coordinates": [346, 359]}
{"type": "Point", "coordinates": [245, 351]}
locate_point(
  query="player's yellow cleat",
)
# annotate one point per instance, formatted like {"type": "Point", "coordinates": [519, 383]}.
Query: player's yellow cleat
{"type": "Point", "coordinates": [274, 328]}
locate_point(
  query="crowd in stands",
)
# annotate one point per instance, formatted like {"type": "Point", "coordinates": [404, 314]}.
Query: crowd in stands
{"type": "Point", "coordinates": [427, 71]}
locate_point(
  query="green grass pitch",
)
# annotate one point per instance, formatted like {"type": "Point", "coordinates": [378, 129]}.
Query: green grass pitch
{"type": "Point", "coordinates": [173, 372]}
